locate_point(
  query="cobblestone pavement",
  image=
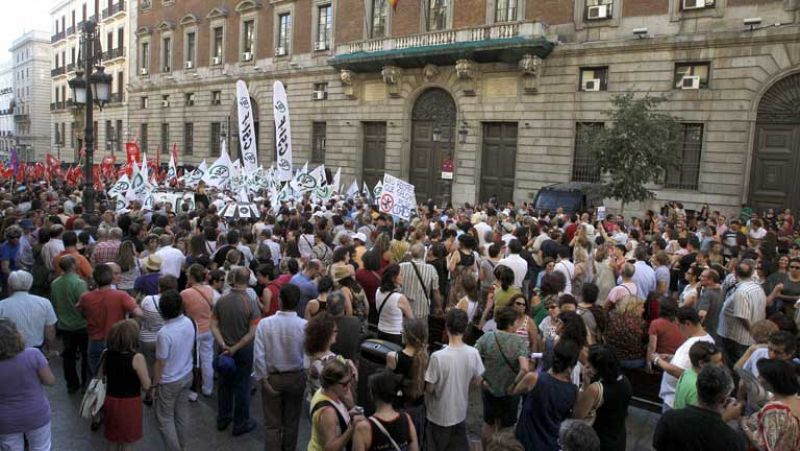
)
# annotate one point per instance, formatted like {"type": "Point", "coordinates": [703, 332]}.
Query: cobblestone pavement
{"type": "Point", "coordinates": [70, 432]}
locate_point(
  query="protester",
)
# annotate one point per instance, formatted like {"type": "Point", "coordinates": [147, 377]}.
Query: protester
{"type": "Point", "coordinates": [392, 305]}
{"type": "Point", "coordinates": [777, 425]}
{"type": "Point", "coordinates": [333, 418]}
{"type": "Point", "coordinates": [700, 354]}
{"type": "Point", "coordinates": [386, 428]}
{"type": "Point", "coordinates": [33, 315]}
{"type": "Point", "coordinates": [198, 302]}
{"type": "Point", "coordinates": [71, 326]}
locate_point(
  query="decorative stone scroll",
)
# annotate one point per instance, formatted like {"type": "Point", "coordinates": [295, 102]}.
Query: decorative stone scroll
{"type": "Point", "coordinates": [346, 77]}
{"type": "Point", "coordinates": [531, 67]}
{"type": "Point", "coordinates": [430, 72]}
{"type": "Point", "coordinates": [392, 77]}
{"type": "Point", "coordinates": [467, 72]}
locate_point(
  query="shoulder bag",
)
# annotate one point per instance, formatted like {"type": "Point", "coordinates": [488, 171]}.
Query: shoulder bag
{"type": "Point", "coordinates": [95, 394]}
{"type": "Point", "coordinates": [424, 288]}
{"type": "Point", "coordinates": [385, 432]}
{"type": "Point", "coordinates": [385, 301]}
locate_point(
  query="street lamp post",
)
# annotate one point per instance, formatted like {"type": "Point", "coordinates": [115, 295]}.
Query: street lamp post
{"type": "Point", "coordinates": [94, 89]}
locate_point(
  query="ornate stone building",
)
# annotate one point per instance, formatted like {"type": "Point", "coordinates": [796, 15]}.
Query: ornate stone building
{"type": "Point", "coordinates": [7, 128]}
{"type": "Point", "coordinates": [497, 89]}
{"type": "Point", "coordinates": [29, 55]}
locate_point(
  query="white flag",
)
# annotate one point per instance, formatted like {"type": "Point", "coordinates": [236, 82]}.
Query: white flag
{"type": "Point", "coordinates": [121, 187]}
{"type": "Point", "coordinates": [144, 169]}
{"type": "Point", "coordinates": [283, 131]}
{"type": "Point", "coordinates": [219, 173]}
{"type": "Point", "coordinates": [172, 171]}
{"type": "Point", "coordinates": [353, 190]}
{"type": "Point", "coordinates": [247, 138]}
{"type": "Point", "coordinates": [337, 181]}
{"type": "Point", "coordinates": [197, 175]}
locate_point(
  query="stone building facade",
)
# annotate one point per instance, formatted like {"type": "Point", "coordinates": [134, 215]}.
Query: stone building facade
{"type": "Point", "coordinates": [7, 128]}
{"type": "Point", "coordinates": [494, 92]}
{"type": "Point", "coordinates": [31, 77]}
{"type": "Point", "coordinates": [113, 19]}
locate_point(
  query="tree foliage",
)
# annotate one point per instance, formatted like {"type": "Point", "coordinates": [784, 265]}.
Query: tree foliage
{"type": "Point", "coordinates": [637, 149]}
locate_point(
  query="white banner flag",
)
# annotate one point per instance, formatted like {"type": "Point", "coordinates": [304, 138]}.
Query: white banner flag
{"type": "Point", "coordinates": [197, 175]}
{"type": "Point", "coordinates": [121, 187]}
{"type": "Point", "coordinates": [337, 181]}
{"type": "Point", "coordinates": [397, 197]}
{"type": "Point", "coordinates": [247, 138]}
{"type": "Point", "coordinates": [172, 172]}
{"type": "Point", "coordinates": [283, 132]}
{"type": "Point", "coordinates": [219, 173]}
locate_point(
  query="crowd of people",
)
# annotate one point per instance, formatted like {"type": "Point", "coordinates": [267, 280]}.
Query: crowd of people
{"type": "Point", "coordinates": [548, 315]}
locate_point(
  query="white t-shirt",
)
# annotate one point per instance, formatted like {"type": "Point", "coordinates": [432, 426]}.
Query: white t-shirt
{"type": "Point", "coordinates": [518, 265]}
{"type": "Point", "coordinates": [681, 360]}
{"type": "Point", "coordinates": [175, 344]}
{"type": "Point", "coordinates": [390, 320]}
{"type": "Point", "coordinates": [451, 370]}
{"type": "Point", "coordinates": [567, 268]}
{"type": "Point", "coordinates": [172, 261]}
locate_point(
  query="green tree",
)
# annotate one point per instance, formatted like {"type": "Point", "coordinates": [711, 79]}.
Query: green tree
{"type": "Point", "coordinates": [636, 150]}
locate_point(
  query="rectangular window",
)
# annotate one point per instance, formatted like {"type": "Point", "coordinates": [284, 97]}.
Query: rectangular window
{"type": "Point", "coordinates": [189, 99]}
{"type": "Point", "coordinates": [188, 138]}
{"type": "Point", "coordinates": [378, 22]}
{"type": "Point", "coordinates": [145, 61]}
{"type": "Point", "coordinates": [505, 10]}
{"type": "Point", "coordinates": [216, 135]}
{"type": "Point", "coordinates": [437, 15]}
{"type": "Point", "coordinates": [216, 97]}
{"type": "Point", "coordinates": [598, 9]}
{"type": "Point", "coordinates": [143, 102]}
{"type": "Point", "coordinates": [217, 49]}
{"type": "Point", "coordinates": [164, 137]}
{"type": "Point", "coordinates": [109, 41]}
{"type": "Point", "coordinates": [143, 137]}
{"type": "Point", "coordinates": [109, 136]}
{"type": "Point", "coordinates": [584, 166]}
{"type": "Point", "coordinates": [689, 5]}
{"type": "Point", "coordinates": [324, 22]}
{"type": "Point", "coordinates": [190, 49]}
{"type": "Point", "coordinates": [248, 36]}
{"type": "Point", "coordinates": [593, 79]}
{"type": "Point", "coordinates": [320, 91]}
{"type": "Point", "coordinates": [165, 100]}
{"type": "Point", "coordinates": [284, 30]}
{"type": "Point", "coordinates": [691, 75]}
{"type": "Point", "coordinates": [318, 132]}
{"type": "Point", "coordinates": [118, 135]}
{"type": "Point", "coordinates": [686, 172]}
{"type": "Point", "coordinates": [166, 53]}
{"type": "Point", "coordinates": [121, 86]}
{"type": "Point", "coordinates": [121, 37]}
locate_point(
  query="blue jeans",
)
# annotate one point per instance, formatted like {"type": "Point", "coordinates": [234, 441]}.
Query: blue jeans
{"type": "Point", "coordinates": [96, 348]}
{"type": "Point", "coordinates": [632, 364]}
{"type": "Point", "coordinates": [234, 390]}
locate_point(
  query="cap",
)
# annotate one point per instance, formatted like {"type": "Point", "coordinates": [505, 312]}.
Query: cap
{"type": "Point", "coordinates": [360, 236]}
{"type": "Point", "coordinates": [26, 224]}
{"type": "Point", "coordinates": [225, 365]}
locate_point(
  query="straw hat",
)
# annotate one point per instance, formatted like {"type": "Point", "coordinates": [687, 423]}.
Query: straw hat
{"type": "Point", "coordinates": [342, 272]}
{"type": "Point", "coordinates": [153, 262]}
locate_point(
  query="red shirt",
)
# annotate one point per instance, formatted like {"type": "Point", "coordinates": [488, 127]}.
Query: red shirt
{"type": "Point", "coordinates": [274, 288]}
{"type": "Point", "coordinates": [104, 308]}
{"type": "Point", "coordinates": [669, 335]}
{"type": "Point", "coordinates": [369, 282]}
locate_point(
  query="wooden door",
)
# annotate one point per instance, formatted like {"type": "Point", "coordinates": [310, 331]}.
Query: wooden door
{"type": "Point", "coordinates": [498, 161]}
{"type": "Point", "coordinates": [773, 182]}
{"type": "Point", "coordinates": [432, 142]}
{"type": "Point", "coordinates": [374, 152]}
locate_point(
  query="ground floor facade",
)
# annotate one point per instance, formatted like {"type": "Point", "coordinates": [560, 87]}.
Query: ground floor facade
{"type": "Point", "coordinates": [468, 131]}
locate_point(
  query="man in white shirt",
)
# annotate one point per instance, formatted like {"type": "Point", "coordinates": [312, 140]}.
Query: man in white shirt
{"type": "Point", "coordinates": [690, 326]}
{"type": "Point", "coordinates": [172, 376]}
{"type": "Point", "coordinates": [172, 259]}
{"type": "Point", "coordinates": [482, 228]}
{"type": "Point", "coordinates": [644, 276]}
{"type": "Point", "coordinates": [565, 267]}
{"type": "Point", "coordinates": [53, 247]}
{"type": "Point", "coordinates": [33, 315]}
{"type": "Point", "coordinates": [447, 379]}
{"type": "Point", "coordinates": [274, 248]}
{"type": "Point", "coordinates": [515, 262]}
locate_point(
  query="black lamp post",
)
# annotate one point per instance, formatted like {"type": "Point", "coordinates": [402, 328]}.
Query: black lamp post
{"type": "Point", "coordinates": [95, 88]}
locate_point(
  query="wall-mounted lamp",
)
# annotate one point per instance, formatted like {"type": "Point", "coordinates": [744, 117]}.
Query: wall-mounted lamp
{"type": "Point", "coordinates": [437, 133]}
{"type": "Point", "coordinates": [462, 135]}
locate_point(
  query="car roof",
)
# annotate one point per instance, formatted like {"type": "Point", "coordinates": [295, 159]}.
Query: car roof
{"type": "Point", "coordinates": [569, 186]}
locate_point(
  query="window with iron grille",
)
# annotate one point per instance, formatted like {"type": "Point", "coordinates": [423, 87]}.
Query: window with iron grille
{"type": "Point", "coordinates": [584, 166]}
{"type": "Point", "coordinates": [164, 137]}
{"type": "Point", "coordinates": [437, 14]}
{"type": "Point", "coordinates": [143, 140]}
{"type": "Point", "coordinates": [505, 10]}
{"type": "Point", "coordinates": [318, 142]}
{"type": "Point", "coordinates": [188, 138]}
{"type": "Point", "coordinates": [685, 174]}
{"type": "Point", "coordinates": [216, 135]}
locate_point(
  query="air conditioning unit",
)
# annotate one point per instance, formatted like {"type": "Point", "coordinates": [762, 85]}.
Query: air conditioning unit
{"type": "Point", "coordinates": [188, 65]}
{"type": "Point", "coordinates": [166, 69]}
{"type": "Point", "coordinates": [690, 82]}
{"type": "Point", "coordinates": [694, 4]}
{"type": "Point", "coordinates": [591, 84]}
{"type": "Point", "coordinates": [280, 51]}
{"type": "Point", "coordinates": [165, 103]}
{"type": "Point", "coordinates": [319, 95]}
{"type": "Point", "coordinates": [216, 60]}
{"type": "Point", "coordinates": [143, 71]}
{"type": "Point", "coordinates": [321, 46]}
{"type": "Point", "coordinates": [597, 12]}
{"type": "Point", "coordinates": [247, 56]}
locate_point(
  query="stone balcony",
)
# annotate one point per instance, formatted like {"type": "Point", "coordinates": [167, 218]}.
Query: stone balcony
{"type": "Point", "coordinates": [57, 37]}
{"type": "Point", "coordinates": [115, 9]}
{"type": "Point", "coordinates": [506, 42]}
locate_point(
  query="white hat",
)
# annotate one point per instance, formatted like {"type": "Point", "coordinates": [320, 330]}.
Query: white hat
{"type": "Point", "coordinates": [359, 236]}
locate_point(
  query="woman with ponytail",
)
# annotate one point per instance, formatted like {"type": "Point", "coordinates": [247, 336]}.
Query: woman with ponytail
{"type": "Point", "coordinates": [411, 364]}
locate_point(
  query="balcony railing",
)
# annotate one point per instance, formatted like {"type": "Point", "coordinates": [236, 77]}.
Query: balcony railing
{"type": "Point", "coordinates": [445, 37]}
{"type": "Point", "coordinates": [113, 53]}
{"type": "Point", "coordinates": [114, 9]}
{"type": "Point", "coordinates": [19, 117]}
{"type": "Point", "coordinates": [70, 30]}
{"type": "Point", "coordinates": [57, 37]}
{"type": "Point", "coordinates": [71, 67]}
{"type": "Point", "coordinates": [58, 71]}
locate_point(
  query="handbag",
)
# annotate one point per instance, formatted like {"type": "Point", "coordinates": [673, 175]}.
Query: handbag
{"type": "Point", "coordinates": [95, 394]}
{"type": "Point", "coordinates": [197, 375]}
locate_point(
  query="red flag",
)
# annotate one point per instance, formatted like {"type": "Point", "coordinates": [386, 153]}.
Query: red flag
{"type": "Point", "coordinates": [107, 166]}
{"type": "Point", "coordinates": [158, 156]}
{"type": "Point", "coordinates": [21, 173]}
{"type": "Point", "coordinates": [175, 153]}
{"type": "Point", "coordinates": [132, 151]}
{"type": "Point", "coordinates": [98, 181]}
{"type": "Point", "coordinates": [51, 161]}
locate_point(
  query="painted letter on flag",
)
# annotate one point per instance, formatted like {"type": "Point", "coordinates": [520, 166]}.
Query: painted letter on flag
{"type": "Point", "coordinates": [247, 137]}
{"type": "Point", "coordinates": [283, 132]}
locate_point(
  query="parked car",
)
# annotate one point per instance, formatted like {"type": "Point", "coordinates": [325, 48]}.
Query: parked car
{"type": "Point", "coordinates": [572, 197]}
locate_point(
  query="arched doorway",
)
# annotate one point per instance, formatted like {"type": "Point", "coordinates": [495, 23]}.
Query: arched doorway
{"type": "Point", "coordinates": [433, 125]}
{"type": "Point", "coordinates": [776, 148]}
{"type": "Point", "coordinates": [234, 148]}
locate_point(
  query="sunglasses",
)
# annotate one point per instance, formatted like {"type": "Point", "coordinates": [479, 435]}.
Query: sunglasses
{"type": "Point", "coordinates": [794, 267]}
{"type": "Point", "coordinates": [521, 304]}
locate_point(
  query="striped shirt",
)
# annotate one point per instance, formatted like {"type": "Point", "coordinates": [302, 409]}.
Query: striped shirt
{"type": "Point", "coordinates": [412, 288]}
{"type": "Point", "coordinates": [747, 301]}
{"type": "Point", "coordinates": [105, 252]}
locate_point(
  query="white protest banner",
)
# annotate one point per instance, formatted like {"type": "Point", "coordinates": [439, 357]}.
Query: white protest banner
{"type": "Point", "coordinates": [197, 175]}
{"type": "Point", "coordinates": [172, 172]}
{"type": "Point", "coordinates": [337, 181]}
{"type": "Point", "coordinates": [121, 187]}
{"type": "Point", "coordinates": [376, 192]}
{"type": "Point", "coordinates": [397, 197]}
{"type": "Point", "coordinates": [353, 190]}
{"type": "Point", "coordinates": [119, 202]}
{"type": "Point", "coordinates": [303, 181]}
{"type": "Point", "coordinates": [246, 130]}
{"type": "Point", "coordinates": [283, 132]}
{"type": "Point", "coordinates": [219, 173]}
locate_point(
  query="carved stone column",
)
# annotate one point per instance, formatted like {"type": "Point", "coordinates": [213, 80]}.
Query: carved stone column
{"type": "Point", "coordinates": [467, 72]}
{"type": "Point", "coordinates": [531, 67]}
{"type": "Point", "coordinates": [392, 77]}
{"type": "Point", "coordinates": [346, 77]}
